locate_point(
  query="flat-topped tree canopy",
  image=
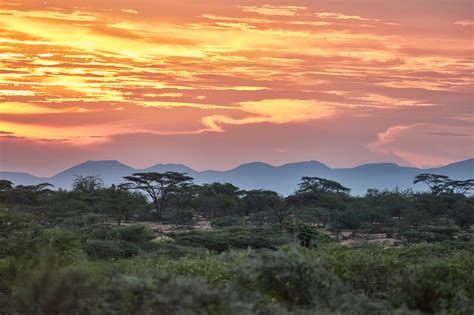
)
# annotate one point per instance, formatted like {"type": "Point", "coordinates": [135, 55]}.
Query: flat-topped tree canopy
{"type": "Point", "coordinates": [320, 185]}
{"type": "Point", "coordinates": [159, 186]}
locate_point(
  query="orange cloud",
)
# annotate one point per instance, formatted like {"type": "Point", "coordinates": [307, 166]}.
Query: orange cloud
{"type": "Point", "coordinates": [426, 145]}
{"type": "Point", "coordinates": [274, 10]}
{"type": "Point", "coordinates": [77, 71]}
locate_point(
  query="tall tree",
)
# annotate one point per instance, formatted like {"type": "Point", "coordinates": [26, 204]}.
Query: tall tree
{"type": "Point", "coordinates": [160, 187]}
{"type": "Point", "coordinates": [436, 183]}
{"type": "Point", "coordinates": [218, 199]}
{"type": "Point", "coordinates": [120, 203]}
{"type": "Point", "coordinates": [87, 184]}
{"type": "Point", "coordinates": [439, 184]}
{"type": "Point", "coordinates": [5, 185]}
{"type": "Point", "coordinates": [258, 200]}
{"type": "Point", "coordinates": [321, 185]}
{"type": "Point", "coordinates": [281, 209]}
{"type": "Point", "coordinates": [460, 186]}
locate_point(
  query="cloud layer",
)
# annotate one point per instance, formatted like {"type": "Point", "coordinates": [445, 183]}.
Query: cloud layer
{"type": "Point", "coordinates": [216, 83]}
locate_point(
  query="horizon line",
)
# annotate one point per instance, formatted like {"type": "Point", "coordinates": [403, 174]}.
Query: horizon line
{"type": "Point", "coordinates": [237, 166]}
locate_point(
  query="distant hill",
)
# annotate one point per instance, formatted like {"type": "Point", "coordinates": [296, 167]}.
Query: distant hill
{"type": "Point", "coordinates": [283, 179]}
{"type": "Point", "coordinates": [111, 172]}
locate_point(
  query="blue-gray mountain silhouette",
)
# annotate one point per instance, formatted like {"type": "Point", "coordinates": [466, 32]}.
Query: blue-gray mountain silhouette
{"type": "Point", "coordinates": [283, 179]}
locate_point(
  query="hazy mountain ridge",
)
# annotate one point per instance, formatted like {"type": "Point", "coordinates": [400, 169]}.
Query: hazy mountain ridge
{"type": "Point", "coordinates": [258, 175]}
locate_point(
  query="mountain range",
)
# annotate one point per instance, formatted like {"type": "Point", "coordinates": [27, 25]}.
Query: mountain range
{"type": "Point", "coordinates": [283, 179]}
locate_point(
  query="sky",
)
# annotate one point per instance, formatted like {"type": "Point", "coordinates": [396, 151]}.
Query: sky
{"type": "Point", "coordinates": [213, 84]}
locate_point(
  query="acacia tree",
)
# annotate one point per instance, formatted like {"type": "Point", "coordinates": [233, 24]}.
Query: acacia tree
{"type": "Point", "coordinates": [87, 184]}
{"type": "Point", "coordinates": [436, 183]}
{"type": "Point", "coordinates": [272, 203]}
{"type": "Point", "coordinates": [29, 194]}
{"type": "Point", "coordinates": [119, 202]}
{"type": "Point", "coordinates": [439, 184]}
{"type": "Point", "coordinates": [460, 186]}
{"type": "Point", "coordinates": [282, 209]}
{"type": "Point", "coordinates": [320, 185]}
{"type": "Point", "coordinates": [258, 200]}
{"type": "Point", "coordinates": [5, 185]}
{"type": "Point", "coordinates": [218, 199]}
{"type": "Point", "coordinates": [160, 187]}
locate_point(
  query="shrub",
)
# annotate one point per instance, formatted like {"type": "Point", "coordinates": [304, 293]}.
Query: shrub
{"type": "Point", "coordinates": [49, 287]}
{"type": "Point", "coordinates": [7, 277]}
{"type": "Point", "coordinates": [369, 270]}
{"type": "Point", "coordinates": [296, 277]}
{"type": "Point", "coordinates": [234, 237]}
{"type": "Point", "coordinates": [135, 233]}
{"type": "Point", "coordinates": [15, 230]}
{"type": "Point", "coordinates": [131, 295]}
{"type": "Point", "coordinates": [227, 222]}
{"type": "Point", "coordinates": [109, 249]}
{"type": "Point", "coordinates": [66, 243]}
{"type": "Point", "coordinates": [172, 250]}
{"type": "Point", "coordinates": [104, 233]}
{"type": "Point", "coordinates": [418, 236]}
{"type": "Point", "coordinates": [307, 234]}
{"type": "Point", "coordinates": [180, 217]}
{"type": "Point", "coordinates": [441, 285]}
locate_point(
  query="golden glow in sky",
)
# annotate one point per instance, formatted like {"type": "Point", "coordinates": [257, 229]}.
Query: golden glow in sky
{"type": "Point", "coordinates": [217, 83]}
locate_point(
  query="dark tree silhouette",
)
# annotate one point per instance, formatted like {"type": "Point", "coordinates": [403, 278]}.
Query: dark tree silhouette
{"type": "Point", "coordinates": [436, 183]}
{"type": "Point", "coordinates": [439, 184]}
{"type": "Point", "coordinates": [87, 184]}
{"type": "Point", "coordinates": [121, 203]}
{"type": "Point", "coordinates": [5, 185]}
{"type": "Point", "coordinates": [160, 187]}
{"type": "Point", "coordinates": [460, 186]}
{"type": "Point", "coordinates": [320, 185]}
{"type": "Point", "coordinates": [258, 200]}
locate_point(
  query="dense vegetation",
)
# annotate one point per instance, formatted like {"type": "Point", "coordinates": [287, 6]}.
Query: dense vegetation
{"type": "Point", "coordinates": [161, 245]}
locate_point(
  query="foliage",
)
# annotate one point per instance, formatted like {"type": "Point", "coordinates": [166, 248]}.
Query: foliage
{"type": "Point", "coordinates": [180, 217]}
{"type": "Point", "coordinates": [135, 234]}
{"type": "Point", "coordinates": [160, 187]}
{"type": "Point", "coordinates": [307, 234]}
{"type": "Point", "coordinates": [231, 238]}
{"type": "Point", "coordinates": [60, 253]}
{"type": "Point", "coordinates": [50, 288]}
{"type": "Point", "coordinates": [227, 222]}
{"type": "Point", "coordinates": [296, 277]}
{"type": "Point", "coordinates": [111, 249]}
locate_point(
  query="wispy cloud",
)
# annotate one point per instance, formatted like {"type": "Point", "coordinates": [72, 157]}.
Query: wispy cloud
{"type": "Point", "coordinates": [274, 10]}
{"type": "Point", "coordinates": [214, 69]}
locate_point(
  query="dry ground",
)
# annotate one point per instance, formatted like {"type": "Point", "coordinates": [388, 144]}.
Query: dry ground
{"type": "Point", "coordinates": [348, 237]}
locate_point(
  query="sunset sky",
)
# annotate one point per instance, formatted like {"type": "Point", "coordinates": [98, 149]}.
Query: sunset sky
{"type": "Point", "coordinates": [216, 83]}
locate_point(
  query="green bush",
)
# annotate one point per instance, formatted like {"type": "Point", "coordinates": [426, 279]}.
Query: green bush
{"type": "Point", "coordinates": [369, 270]}
{"type": "Point", "coordinates": [172, 250]}
{"type": "Point", "coordinates": [295, 277]}
{"type": "Point", "coordinates": [66, 243]}
{"type": "Point", "coordinates": [135, 234]}
{"type": "Point", "coordinates": [418, 236]}
{"type": "Point", "coordinates": [7, 277]}
{"type": "Point", "coordinates": [227, 222]}
{"type": "Point", "coordinates": [15, 231]}
{"type": "Point", "coordinates": [307, 234]}
{"type": "Point", "coordinates": [103, 233]}
{"type": "Point", "coordinates": [131, 295]}
{"type": "Point", "coordinates": [436, 286]}
{"type": "Point", "coordinates": [228, 238]}
{"type": "Point", "coordinates": [132, 233]}
{"type": "Point", "coordinates": [462, 212]}
{"type": "Point", "coordinates": [180, 216]}
{"type": "Point", "coordinates": [111, 249]}
{"type": "Point", "coordinates": [48, 286]}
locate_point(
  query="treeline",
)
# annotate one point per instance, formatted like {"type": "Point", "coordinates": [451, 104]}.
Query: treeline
{"type": "Point", "coordinates": [442, 213]}
{"type": "Point", "coordinates": [89, 250]}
